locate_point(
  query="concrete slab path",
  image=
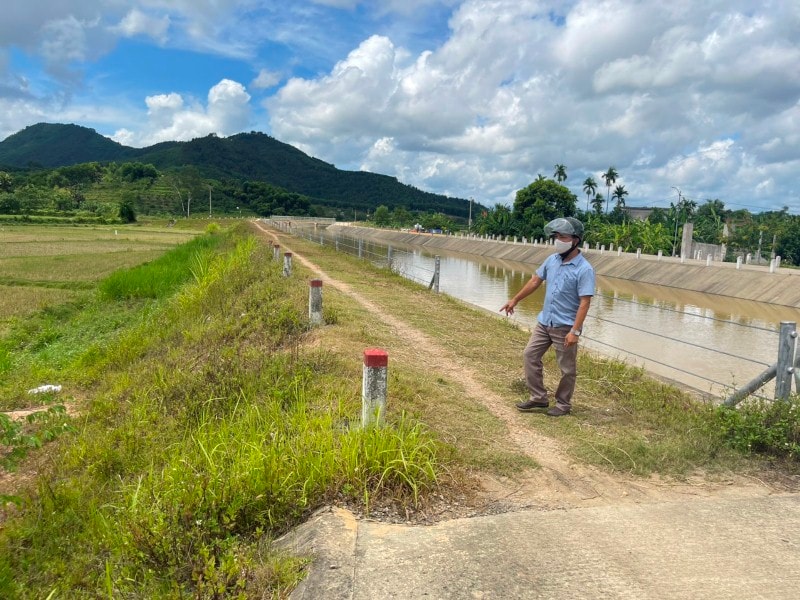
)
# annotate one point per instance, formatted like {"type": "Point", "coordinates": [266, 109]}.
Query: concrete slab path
{"type": "Point", "coordinates": [707, 548]}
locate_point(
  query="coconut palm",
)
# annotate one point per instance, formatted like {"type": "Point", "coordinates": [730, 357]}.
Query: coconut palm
{"type": "Point", "coordinates": [619, 195]}
{"type": "Point", "coordinates": [560, 173]}
{"type": "Point", "coordinates": [589, 187]}
{"type": "Point", "coordinates": [610, 178]}
{"type": "Point", "coordinates": [597, 203]}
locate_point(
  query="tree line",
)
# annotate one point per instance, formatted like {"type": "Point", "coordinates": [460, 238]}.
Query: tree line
{"type": "Point", "coordinates": [768, 234]}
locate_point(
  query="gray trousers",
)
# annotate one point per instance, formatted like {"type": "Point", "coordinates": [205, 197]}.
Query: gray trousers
{"type": "Point", "coordinates": [541, 339]}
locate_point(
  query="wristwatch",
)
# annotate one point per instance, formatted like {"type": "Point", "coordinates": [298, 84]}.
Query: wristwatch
{"type": "Point", "coordinates": [576, 332]}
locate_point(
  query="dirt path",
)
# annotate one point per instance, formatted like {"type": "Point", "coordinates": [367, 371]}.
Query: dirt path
{"type": "Point", "coordinates": [561, 482]}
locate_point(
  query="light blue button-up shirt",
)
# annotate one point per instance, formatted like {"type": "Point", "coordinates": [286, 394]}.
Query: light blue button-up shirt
{"type": "Point", "coordinates": [566, 282]}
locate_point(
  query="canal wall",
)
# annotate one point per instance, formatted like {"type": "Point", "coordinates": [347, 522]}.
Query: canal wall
{"type": "Point", "coordinates": [750, 282]}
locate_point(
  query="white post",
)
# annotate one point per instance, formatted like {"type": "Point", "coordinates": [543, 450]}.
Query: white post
{"type": "Point", "coordinates": [660, 253]}
{"type": "Point", "coordinates": [738, 262]}
{"type": "Point", "coordinates": [315, 301]}
{"type": "Point", "coordinates": [708, 260]}
{"type": "Point", "coordinates": [748, 258]}
{"type": "Point", "coordinates": [638, 253]}
{"type": "Point", "coordinates": [619, 251]}
{"type": "Point", "coordinates": [373, 386]}
{"type": "Point", "coordinates": [276, 252]}
{"type": "Point", "coordinates": [287, 264]}
{"type": "Point", "coordinates": [772, 265]}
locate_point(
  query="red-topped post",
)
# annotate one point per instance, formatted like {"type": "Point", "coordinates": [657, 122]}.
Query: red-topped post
{"type": "Point", "coordinates": [276, 252]}
{"type": "Point", "coordinates": [373, 388]}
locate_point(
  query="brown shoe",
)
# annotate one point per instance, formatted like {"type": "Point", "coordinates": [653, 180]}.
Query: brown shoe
{"type": "Point", "coordinates": [557, 412]}
{"type": "Point", "coordinates": [531, 405]}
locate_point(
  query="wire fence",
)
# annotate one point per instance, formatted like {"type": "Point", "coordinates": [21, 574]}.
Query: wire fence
{"type": "Point", "coordinates": [682, 358]}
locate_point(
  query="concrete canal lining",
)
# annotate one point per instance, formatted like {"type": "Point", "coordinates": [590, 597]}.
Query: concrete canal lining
{"type": "Point", "coordinates": [750, 282]}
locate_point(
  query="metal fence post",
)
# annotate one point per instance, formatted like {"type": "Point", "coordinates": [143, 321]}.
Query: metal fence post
{"type": "Point", "coordinates": [783, 377]}
{"type": "Point", "coordinates": [373, 386]}
{"type": "Point", "coordinates": [315, 301]}
{"type": "Point", "coordinates": [434, 284]}
{"type": "Point", "coordinates": [360, 248]}
{"type": "Point", "coordinates": [389, 257]}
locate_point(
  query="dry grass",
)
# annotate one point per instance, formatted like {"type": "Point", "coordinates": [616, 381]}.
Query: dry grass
{"type": "Point", "coordinates": [70, 267]}
{"type": "Point", "coordinates": [20, 301]}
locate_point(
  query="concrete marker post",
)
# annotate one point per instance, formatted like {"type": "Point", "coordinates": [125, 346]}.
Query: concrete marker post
{"type": "Point", "coordinates": [638, 253]}
{"type": "Point", "coordinates": [276, 252]}
{"type": "Point", "coordinates": [708, 260]}
{"type": "Point", "coordinates": [373, 386]}
{"type": "Point", "coordinates": [287, 264]}
{"type": "Point", "coordinates": [738, 262]}
{"type": "Point", "coordinates": [315, 301]}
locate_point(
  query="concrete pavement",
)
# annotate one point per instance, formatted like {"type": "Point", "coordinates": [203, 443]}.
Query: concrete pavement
{"type": "Point", "coordinates": [703, 548]}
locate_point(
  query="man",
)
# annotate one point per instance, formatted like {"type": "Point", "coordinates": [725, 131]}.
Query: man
{"type": "Point", "coordinates": [569, 291]}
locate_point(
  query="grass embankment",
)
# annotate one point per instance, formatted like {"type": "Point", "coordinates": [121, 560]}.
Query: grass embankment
{"type": "Point", "coordinates": [215, 418]}
{"type": "Point", "coordinates": [208, 425]}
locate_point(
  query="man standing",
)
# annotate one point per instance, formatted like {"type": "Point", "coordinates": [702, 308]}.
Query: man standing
{"type": "Point", "coordinates": [568, 293]}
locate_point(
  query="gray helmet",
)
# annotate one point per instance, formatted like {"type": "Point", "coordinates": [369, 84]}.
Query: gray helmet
{"type": "Point", "coordinates": [565, 226]}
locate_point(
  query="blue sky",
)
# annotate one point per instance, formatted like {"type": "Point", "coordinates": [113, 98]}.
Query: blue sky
{"type": "Point", "coordinates": [470, 98]}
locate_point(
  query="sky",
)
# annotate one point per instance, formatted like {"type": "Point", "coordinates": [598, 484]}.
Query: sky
{"type": "Point", "coordinates": [686, 99]}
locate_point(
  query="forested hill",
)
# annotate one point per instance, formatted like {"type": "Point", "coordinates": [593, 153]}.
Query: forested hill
{"type": "Point", "coordinates": [244, 157]}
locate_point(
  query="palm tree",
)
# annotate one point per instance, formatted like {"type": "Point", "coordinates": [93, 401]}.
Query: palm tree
{"type": "Point", "coordinates": [597, 203]}
{"type": "Point", "coordinates": [560, 173]}
{"type": "Point", "coordinates": [589, 187]}
{"type": "Point", "coordinates": [610, 178]}
{"type": "Point", "coordinates": [619, 195]}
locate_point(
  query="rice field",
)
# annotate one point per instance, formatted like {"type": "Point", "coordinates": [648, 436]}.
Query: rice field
{"type": "Point", "coordinates": [46, 265]}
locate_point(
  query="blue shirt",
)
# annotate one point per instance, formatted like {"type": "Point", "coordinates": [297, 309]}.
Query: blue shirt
{"type": "Point", "coordinates": [566, 283]}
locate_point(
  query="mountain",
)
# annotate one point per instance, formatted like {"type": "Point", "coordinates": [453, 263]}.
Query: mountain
{"type": "Point", "coordinates": [250, 156]}
{"type": "Point", "coordinates": [51, 145]}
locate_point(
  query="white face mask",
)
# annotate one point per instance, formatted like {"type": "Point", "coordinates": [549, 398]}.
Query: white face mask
{"type": "Point", "coordinates": [562, 247]}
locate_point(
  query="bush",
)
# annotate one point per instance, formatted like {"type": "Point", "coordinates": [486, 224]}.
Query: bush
{"type": "Point", "coordinates": [763, 427]}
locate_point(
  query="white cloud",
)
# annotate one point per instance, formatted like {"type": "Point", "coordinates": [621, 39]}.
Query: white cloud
{"type": "Point", "coordinates": [137, 23]}
{"type": "Point", "coordinates": [170, 117]}
{"type": "Point", "coordinates": [266, 79]}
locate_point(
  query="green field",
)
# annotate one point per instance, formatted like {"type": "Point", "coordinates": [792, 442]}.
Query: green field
{"type": "Point", "coordinates": [45, 265]}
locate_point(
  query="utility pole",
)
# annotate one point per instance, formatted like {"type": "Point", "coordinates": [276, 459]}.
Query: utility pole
{"type": "Point", "coordinates": [469, 223]}
{"type": "Point", "coordinates": [760, 239]}
{"type": "Point", "coordinates": [677, 213]}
